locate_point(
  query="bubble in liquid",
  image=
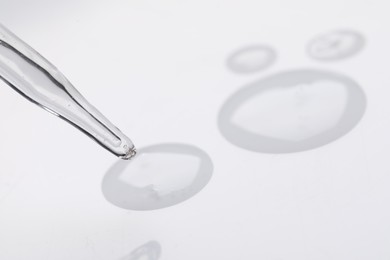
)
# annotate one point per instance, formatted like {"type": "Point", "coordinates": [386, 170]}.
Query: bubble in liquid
{"type": "Point", "coordinates": [336, 45]}
{"type": "Point", "coordinates": [159, 176]}
{"type": "Point", "coordinates": [292, 111]}
{"type": "Point", "coordinates": [148, 251]}
{"type": "Point", "coordinates": [251, 59]}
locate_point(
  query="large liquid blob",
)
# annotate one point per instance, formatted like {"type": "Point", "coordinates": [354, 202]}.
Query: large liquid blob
{"type": "Point", "coordinates": [292, 111]}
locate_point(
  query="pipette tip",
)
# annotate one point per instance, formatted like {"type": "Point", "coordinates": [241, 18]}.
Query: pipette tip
{"type": "Point", "coordinates": [130, 154]}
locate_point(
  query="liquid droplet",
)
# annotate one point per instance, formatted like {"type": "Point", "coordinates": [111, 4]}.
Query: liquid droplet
{"type": "Point", "coordinates": [159, 176]}
{"type": "Point", "coordinates": [336, 45]}
{"type": "Point", "coordinates": [148, 251]}
{"type": "Point", "coordinates": [292, 111]}
{"type": "Point", "coordinates": [251, 59]}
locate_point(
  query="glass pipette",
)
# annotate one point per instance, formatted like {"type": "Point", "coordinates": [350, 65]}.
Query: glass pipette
{"type": "Point", "coordinates": [35, 78]}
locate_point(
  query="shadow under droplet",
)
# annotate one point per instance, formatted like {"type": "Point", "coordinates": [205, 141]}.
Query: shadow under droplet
{"type": "Point", "coordinates": [148, 251]}
{"type": "Point", "coordinates": [336, 45]}
{"type": "Point", "coordinates": [159, 176]}
{"type": "Point", "coordinates": [292, 111]}
{"type": "Point", "coordinates": [251, 59]}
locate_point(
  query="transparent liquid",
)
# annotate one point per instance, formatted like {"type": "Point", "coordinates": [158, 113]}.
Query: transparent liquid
{"type": "Point", "coordinates": [251, 59]}
{"type": "Point", "coordinates": [40, 82]}
{"type": "Point", "coordinates": [292, 111]}
{"type": "Point", "coordinates": [336, 45]}
{"type": "Point", "coordinates": [159, 176]}
{"type": "Point", "coordinates": [148, 251]}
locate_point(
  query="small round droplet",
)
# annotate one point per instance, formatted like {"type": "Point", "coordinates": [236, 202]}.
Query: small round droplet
{"type": "Point", "coordinates": [292, 111]}
{"type": "Point", "coordinates": [148, 251]}
{"type": "Point", "coordinates": [251, 59]}
{"type": "Point", "coordinates": [159, 176]}
{"type": "Point", "coordinates": [336, 45]}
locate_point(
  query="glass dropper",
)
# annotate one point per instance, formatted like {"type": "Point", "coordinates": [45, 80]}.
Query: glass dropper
{"type": "Point", "coordinates": [35, 78]}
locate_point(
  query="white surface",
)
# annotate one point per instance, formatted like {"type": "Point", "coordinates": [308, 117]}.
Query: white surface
{"type": "Point", "coordinates": [156, 69]}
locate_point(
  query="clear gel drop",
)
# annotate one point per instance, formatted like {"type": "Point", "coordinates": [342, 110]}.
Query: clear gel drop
{"type": "Point", "coordinates": [251, 59]}
{"type": "Point", "coordinates": [159, 176]}
{"type": "Point", "coordinates": [292, 111]}
{"type": "Point", "coordinates": [148, 251]}
{"type": "Point", "coordinates": [336, 45]}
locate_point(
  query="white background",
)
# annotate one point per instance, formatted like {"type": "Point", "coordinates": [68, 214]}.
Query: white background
{"type": "Point", "coordinates": [157, 70]}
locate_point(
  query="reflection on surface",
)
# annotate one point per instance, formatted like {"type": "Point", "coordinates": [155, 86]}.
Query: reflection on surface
{"type": "Point", "coordinates": [251, 59]}
{"type": "Point", "coordinates": [292, 111]}
{"type": "Point", "coordinates": [148, 251]}
{"type": "Point", "coordinates": [159, 176]}
{"type": "Point", "coordinates": [336, 45]}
